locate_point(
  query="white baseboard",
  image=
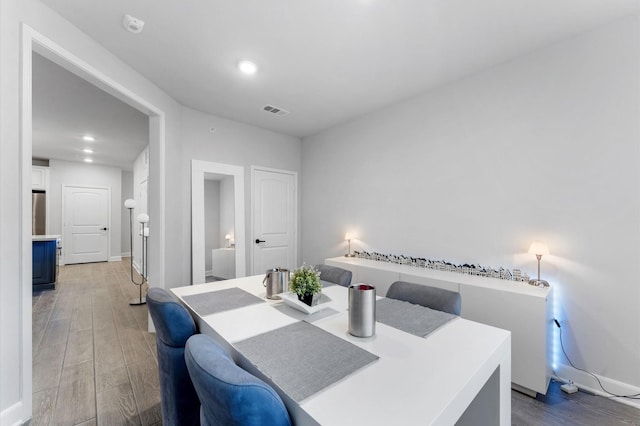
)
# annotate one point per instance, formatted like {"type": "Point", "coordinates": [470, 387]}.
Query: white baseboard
{"type": "Point", "coordinates": [127, 254]}
{"type": "Point", "coordinates": [588, 383]}
{"type": "Point", "coordinates": [208, 273]}
{"type": "Point", "coordinates": [115, 258]}
{"type": "Point", "coordinates": [12, 415]}
{"type": "Point", "coordinates": [136, 266]}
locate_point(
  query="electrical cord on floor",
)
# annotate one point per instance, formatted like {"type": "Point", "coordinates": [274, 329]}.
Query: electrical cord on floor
{"type": "Point", "coordinates": [612, 395]}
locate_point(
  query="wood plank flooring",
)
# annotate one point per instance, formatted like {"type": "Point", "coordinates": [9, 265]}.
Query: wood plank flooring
{"type": "Point", "coordinates": [95, 364]}
{"type": "Point", "coordinates": [93, 361]}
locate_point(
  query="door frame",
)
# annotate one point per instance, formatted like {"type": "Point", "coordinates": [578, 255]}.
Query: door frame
{"type": "Point", "coordinates": [295, 212]}
{"type": "Point", "coordinates": [62, 218]}
{"type": "Point", "coordinates": [198, 170]}
{"type": "Point", "coordinates": [32, 40]}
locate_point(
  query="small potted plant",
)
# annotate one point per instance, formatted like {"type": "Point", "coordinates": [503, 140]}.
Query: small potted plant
{"type": "Point", "coordinates": [305, 282]}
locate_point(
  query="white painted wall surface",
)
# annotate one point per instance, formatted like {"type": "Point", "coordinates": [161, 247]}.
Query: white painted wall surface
{"type": "Point", "coordinates": [226, 210]}
{"type": "Point", "coordinates": [231, 143]}
{"type": "Point", "coordinates": [126, 193]}
{"type": "Point", "coordinates": [545, 147]}
{"type": "Point", "coordinates": [211, 220]}
{"type": "Point", "coordinates": [140, 186]}
{"type": "Point", "coordinates": [82, 174]}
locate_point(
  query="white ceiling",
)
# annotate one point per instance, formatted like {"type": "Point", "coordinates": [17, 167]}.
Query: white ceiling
{"type": "Point", "coordinates": [325, 61]}
{"type": "Point", "coordinates": [66, 107]}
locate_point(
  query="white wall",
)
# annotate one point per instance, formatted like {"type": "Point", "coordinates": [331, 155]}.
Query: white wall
{"type": "Point", "coordinates": [141, 197]}
{"type": "Point", "coordinates": [211, 220]}
{"type": "Point", "coordinates": [82, 174]}
{"type": "Point", "coordinates": [232, 143]}
{"type": "Point", "coordinates": [227, 210]}
{"type": "Point", "coordinates": [545, 147]}
{"type": "Point", "coordinates": [127, 193]}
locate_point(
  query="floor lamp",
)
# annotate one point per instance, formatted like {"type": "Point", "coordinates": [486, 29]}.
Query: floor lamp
{"type": "Point", "coordinates": [143, 218]}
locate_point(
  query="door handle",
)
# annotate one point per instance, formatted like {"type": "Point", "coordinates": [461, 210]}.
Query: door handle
{"type": "Point", "coordinates": [258, 241]}
{"type": "Point", "coordinates": [104, 229]}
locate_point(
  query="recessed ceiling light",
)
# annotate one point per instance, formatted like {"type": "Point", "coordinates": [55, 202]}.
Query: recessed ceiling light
{"type": "Point", "coordinates": [247, 67]}
{"type": "Point", "coordinates": [87, 151]}
{"type": "Point", "coordinates": [88, 160]}
{"type": "Point", "coordinates": [88, 138]}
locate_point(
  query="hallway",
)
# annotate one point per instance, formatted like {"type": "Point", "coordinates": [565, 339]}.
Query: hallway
{"type": "Point", "coordinates": [94, 363]}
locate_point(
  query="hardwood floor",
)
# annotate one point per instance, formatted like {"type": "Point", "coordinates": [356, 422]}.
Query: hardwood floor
{"type": "Point", "coordinates": [95, 364]}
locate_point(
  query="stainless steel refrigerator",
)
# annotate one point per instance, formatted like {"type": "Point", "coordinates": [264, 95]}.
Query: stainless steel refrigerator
{"type": "Point", "coordinates": [38, 213]}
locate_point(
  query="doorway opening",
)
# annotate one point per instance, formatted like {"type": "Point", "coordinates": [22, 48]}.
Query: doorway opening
{"type": "Point", "coordinates": [33, 41]}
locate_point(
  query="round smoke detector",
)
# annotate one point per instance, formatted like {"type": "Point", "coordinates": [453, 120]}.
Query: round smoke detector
{"type": "Point", "coordinates": [132, 24]}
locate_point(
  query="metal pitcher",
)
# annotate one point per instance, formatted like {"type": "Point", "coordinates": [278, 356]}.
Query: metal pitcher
{"type": "Point", "coordinates": [276, 281]}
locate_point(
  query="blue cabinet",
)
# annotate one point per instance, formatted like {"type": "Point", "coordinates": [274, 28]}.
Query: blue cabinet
{"type": "Point", "coordinates": [44, 265]}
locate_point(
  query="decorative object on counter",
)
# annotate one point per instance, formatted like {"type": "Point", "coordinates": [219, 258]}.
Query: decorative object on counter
{"type": "Point", "coordinates": [276, 281]}
{"type": "Point", "coordinates": [443, 265]}
{"type": "Point", "coordinates": [539, 249]}
{"type": "Point", "coordinates": [362, 310]}
{"type": "Point", "coordinates": [305, 283]}
{"type": "Point", "coordinates": [348, 236]}
{"type": "Point", "coordinates": [143, 218]}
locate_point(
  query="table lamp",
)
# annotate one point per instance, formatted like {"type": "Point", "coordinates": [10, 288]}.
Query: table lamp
{"type": "Point", "coordinates": [539, 249]}
{"type": "Point", "coordinates": [348, 237]}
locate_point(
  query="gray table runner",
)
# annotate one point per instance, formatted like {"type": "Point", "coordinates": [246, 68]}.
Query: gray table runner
{"type": "Point", "coordinates": [216, 301]}
{"type": "Point", "coordinates": [303, 359]}
{"type": "Point", "coordinates": [413, 319]}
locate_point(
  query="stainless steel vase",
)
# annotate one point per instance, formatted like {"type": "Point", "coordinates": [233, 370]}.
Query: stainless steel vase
{"type": "Point", "coordinates": [362, 310]}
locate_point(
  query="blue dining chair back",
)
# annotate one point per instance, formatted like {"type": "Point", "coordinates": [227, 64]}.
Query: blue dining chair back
{"type": "Point", "coordinates": [430, 297]}
{"type": "Point", "coordinates": [230, 395]}
{"type": "Point", "coordinates": [335, 275]}
{"type": "Point", "coordinates": [174, 325]}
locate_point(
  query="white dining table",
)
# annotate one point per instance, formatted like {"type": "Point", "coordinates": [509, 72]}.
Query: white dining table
{"type": "Point", "coordinates": [458, 374]}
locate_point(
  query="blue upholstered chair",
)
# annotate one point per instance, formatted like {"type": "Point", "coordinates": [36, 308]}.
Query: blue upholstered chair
{"type": "Point", "coordinates": [335, 275]}
{"type": "Point", "coordinates": [430, 297]}
{"type": "Point", "coordinates": [174, 325]}
{"type": "Point", "coordinates": [229, 394]}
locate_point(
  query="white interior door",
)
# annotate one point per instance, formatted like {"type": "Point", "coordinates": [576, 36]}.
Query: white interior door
{"type": "Point", "coordinates": [274, 216]}
{"type": "Point", "coordinates": [86, 224]}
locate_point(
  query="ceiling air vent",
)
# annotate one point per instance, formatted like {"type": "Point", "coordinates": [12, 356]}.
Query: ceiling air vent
{"type": "Point", "coordinates": [275, 110]}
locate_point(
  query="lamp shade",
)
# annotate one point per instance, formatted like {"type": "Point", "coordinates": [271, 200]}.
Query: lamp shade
{"type": "Point", "coordinates": [348, 236]}
{"type": "Point", "coordinates": [227, 237]}
{"type": "Point", "coordinates": [130, 203]}
{"type": "Point", "coordinates": [538, 248]}
{"type": "Point", "coordinates": [143, 218]}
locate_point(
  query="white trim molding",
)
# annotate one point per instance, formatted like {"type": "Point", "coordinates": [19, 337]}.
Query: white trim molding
{"type": "Point", "coordinates": [589, 384]}
{"type": "Point", "coordinates": [12, 415]}
{"type": "Point", "coordinates": [198, 170]}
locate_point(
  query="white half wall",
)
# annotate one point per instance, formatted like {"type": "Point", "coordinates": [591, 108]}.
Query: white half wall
{"type": "Point", "coordinates": [545, 147]}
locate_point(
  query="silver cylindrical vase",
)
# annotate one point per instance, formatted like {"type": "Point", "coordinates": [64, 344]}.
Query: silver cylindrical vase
{"type": "Point", "coordinates": [362, 310]}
